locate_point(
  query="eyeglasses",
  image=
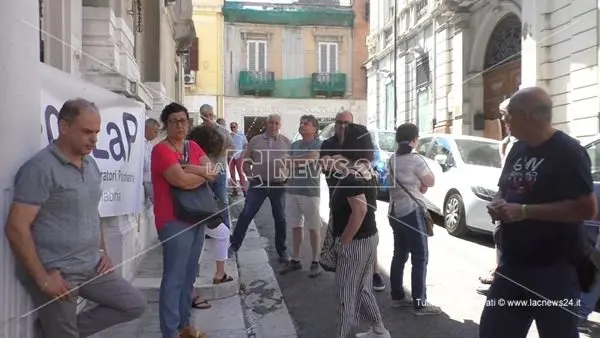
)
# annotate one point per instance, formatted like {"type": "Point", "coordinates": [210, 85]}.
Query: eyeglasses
{"type": "Point", "coordinates": [178, 121]}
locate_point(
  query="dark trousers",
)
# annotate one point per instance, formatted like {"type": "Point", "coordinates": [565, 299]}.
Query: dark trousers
{"type": "Point", "coordinates": [255, 197]}
{"type": "Point", "coordinates": [556, 283]}
{"type": "Point", "coordinates": [410, 237]}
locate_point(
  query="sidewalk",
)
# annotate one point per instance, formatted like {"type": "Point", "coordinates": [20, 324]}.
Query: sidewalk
{"type": "Point", "coordinates": [258, 311]}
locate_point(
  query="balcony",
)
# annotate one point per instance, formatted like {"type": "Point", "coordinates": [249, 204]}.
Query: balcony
{"type": "Point", "coordinates": [328, 85]}
{"type": "Point", "coordinates": [256, 83]}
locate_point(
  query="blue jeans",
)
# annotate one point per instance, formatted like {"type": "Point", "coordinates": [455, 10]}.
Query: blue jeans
{"type": "Point", "coordinates": [182, 246]}
{"type": "Point", "coordinates": [554, 282]}
{"type": "Point", "coordinates": [410, 237]}
{"type": "Point", "coordinates": [219, 187]}
{"type": "Point", "coordinates": [255, 198]}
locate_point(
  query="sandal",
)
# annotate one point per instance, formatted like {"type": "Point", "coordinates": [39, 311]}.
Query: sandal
{"type": "Point", "coordinates": [487, 279]}
{"type": "Point", "coordinates": [200, 304]}
{"type": "Point", "coordinates": [225, 279]}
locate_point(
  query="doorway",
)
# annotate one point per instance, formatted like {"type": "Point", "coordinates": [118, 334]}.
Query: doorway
{"type": "Point", "coordinates": [254, 125]}
{"type": "Point", "coordinates": [502, 74]}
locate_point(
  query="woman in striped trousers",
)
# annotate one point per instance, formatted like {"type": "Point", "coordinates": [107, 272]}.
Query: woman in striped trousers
{"type": "Point", "coordinates": [353, 217]}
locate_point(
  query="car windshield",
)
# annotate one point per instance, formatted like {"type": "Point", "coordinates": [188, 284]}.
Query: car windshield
{"type": "Point", "coordinates": [481, 153]}
{"type": "Point", "coordinates": [387, 140]}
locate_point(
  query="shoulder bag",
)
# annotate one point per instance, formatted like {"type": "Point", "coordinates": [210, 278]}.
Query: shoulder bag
{"type": "Point", "coordinates": [428, 220]}
{"type": "Point", "coordinates": [197, 206]}
{"type": "Point", "coordinates": [328, 258]}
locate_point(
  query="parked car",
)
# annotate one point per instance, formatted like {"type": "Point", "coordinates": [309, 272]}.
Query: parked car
{"type": "Point", "coordinates": [467, 170]}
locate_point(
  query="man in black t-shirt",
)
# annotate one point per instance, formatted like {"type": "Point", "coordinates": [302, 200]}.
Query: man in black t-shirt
{"type": "Point", "coordinates": [545, 194]}
{"type": "Point", "coordinates": [329, 148]}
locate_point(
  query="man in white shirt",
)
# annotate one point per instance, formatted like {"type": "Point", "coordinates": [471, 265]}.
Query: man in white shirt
{"type": "Point", "coordinates": [152, 127]}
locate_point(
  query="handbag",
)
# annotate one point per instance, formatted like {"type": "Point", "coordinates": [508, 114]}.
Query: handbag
{"type": "Point", "coordinates": [328, 258]}
{"type": "Point", "coordinates": [199, 205]}
{"type": "Point", "coordinates": [428, 219]}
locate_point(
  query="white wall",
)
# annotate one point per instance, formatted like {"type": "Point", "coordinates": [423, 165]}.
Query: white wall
{"type": "Point", "coordinates": [571, 66]}
{"type": "Point", "coordinates": [236, 108]}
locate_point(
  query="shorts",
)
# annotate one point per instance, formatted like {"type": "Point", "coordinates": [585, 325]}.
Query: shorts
{"type": "Point", "coordinates": [301, 209]}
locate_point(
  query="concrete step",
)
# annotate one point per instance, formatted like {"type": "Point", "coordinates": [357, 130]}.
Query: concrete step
{"type": "Point", "coordinates": [149, 282]}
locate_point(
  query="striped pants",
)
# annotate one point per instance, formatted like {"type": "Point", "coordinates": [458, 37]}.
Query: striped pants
{"type": "Point", "coordinates": [354, 285]}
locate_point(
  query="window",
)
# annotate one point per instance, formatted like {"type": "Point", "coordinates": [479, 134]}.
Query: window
{"type": "Point", "coordinates": [424, 145]}
{"type": "Point", "coordinates": [328, 57]}
{"type": "Point", "coordinates": [486, 154]}
{"type": "Point", "coordinates": [593, 151]}
{"type": "Point", "coordinates": [257, 56]}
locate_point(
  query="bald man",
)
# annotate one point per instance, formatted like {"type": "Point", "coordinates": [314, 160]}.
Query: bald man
{"type": "Point", "coordinates": [545, 194]}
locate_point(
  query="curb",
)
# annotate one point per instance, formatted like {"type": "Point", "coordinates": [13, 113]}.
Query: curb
{"type": "Point", "coordinates": [265, 311]}
{"type": "Point", "coordinates": [204, 286]}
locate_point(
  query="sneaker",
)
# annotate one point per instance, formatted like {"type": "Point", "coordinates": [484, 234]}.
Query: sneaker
{"type": "Point", "coordinates": [584, 326]}
{"type": "Point", "coordinates": [378, 284]}
{"type": "Point", "coordinates": [284, 259]}
{"type": "Point", "coordinates": [292, 265]}
{"type": "Point", "coordinates": [402, 303]}
{"type": "Point", "coordinates": [483, 289]}
{"type": "Point", "coordinates": [373, 334]}
{"type": "Point", "coordinates": [428, 310]}
{"type": "Point", "coordinates": [315, 269]}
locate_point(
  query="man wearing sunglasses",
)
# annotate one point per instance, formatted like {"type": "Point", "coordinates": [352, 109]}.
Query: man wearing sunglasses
{"type": "Point", "coordinates": [329, 149]}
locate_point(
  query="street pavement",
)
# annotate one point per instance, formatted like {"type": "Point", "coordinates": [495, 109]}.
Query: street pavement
{"type": "Point", "coordinates": [454, 267]}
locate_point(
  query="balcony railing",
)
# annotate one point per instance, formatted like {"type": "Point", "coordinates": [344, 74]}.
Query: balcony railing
{"type": "Point", "coordinates": [328, 84]}
{"type": "Point", "coordinates": [256, 83]}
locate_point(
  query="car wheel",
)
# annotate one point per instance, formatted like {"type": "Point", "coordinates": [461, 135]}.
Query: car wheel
{"type": "Point", "coordinates": [454, 216]}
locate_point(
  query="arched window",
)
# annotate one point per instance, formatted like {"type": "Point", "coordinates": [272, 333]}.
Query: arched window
{"type": "Point", "coordinates": [505, 43]}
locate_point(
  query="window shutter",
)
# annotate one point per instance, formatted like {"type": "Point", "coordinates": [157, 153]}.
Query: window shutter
{"type": "Point", "coordinates": [333, 56]}
{"type": "Point", "coordinates": [193, 62]}
{"type": "Point", "coordinates": [261, 56]}
{"type": "Point", "coordinates": [322, 58]}
{"type": "Point", "coordinates": [251, 56]}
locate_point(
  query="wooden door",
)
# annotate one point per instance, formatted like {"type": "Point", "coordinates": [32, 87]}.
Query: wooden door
{"type": "Point", "coordinates": [498, 84]}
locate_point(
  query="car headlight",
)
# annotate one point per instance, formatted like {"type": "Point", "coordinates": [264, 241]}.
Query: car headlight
{"type": "Point", "coordinates": [483, 193]}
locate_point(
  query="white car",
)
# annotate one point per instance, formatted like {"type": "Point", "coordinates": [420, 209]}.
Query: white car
{"type": "Point", "coordinates": [467, 170]}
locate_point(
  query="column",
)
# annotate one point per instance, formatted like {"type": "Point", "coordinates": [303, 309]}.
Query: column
{"type": "Point", "coordinates": [460, 103]}
{"type": "Point", "coordinates": [532, 54]}
{"type": "Point", "coordinates": [19, 137]}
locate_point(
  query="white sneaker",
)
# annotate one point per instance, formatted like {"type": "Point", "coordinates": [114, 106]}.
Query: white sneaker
{"type": "Point", "coordinates": [373, 334]}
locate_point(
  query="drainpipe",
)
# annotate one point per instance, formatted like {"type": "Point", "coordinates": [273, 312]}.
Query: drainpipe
{"type": "Point", "coordinates": [395, 60]}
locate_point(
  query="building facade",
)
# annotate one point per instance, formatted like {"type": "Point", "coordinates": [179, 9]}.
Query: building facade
{"type": "Point", "coordinates": [456, 61]}
{"type": "Point", "coordinates": [204, 67]}
{"type": "Point", "coordinates": [110, 46]}
{"type": "Point", "coordinates": [293, 59]}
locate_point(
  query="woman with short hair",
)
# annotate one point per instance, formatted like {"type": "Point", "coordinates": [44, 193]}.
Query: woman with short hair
{"type": "Point", "coordinates": [410, 176]}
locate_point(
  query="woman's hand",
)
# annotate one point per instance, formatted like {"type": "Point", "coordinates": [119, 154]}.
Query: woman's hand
{"type": "Point", "coordinates": [206, 171]}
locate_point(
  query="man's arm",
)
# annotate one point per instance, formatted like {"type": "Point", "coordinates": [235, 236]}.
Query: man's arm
{"type": "Point", "coordinates": [247, 156]}
{"type": "Point", "coordinates": [31, 191]}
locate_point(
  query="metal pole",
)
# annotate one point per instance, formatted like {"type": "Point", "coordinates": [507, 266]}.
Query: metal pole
{"type": "Point", "coordinates": [394, 59]}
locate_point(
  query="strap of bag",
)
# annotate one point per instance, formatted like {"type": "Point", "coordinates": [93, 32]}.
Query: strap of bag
{"type": "Point", "coordinates": [404, 188]}
{"type": "Point", "coordinates": [186, 152]}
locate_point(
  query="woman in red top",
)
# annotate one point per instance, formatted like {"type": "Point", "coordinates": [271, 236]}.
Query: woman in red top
{"type": "Point", "coordinates": [182, 243]}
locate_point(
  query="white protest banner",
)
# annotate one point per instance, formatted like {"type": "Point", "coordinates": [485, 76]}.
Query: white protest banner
{"type": "Point", "coordinates": [120, 148]}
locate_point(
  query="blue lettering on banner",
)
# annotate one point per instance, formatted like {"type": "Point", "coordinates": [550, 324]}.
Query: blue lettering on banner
{"type": "Point", "coordinates": [121, 137]}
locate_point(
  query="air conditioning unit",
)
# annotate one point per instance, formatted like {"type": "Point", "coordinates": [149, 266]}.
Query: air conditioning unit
{"type": "Point", "coordinates": [190, 79]}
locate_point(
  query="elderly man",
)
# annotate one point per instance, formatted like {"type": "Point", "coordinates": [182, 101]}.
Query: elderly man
{"type": "Point", "coordinates": [152, 127]}
{"type": "Point", "coordinates": [303, 199]}
{"type": "Point", "coordinates": [220, 184]}
{"type": "Point", "coordinates": [54, 230]}
{"type": "Point", "coordinates": [329, 149]}
{"type": "Point", "coordinates": [545, 194]}
{"type": "Point", "coordinates": [267, 174]}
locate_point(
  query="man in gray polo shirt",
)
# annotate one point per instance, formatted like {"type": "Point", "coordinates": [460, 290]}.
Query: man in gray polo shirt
{"type": "Point", "coordinates": [54, 230]}
{"type": "Point", "coordinates": [220, 183]}
{"type": "Point", "coordinates": [302, 200]}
